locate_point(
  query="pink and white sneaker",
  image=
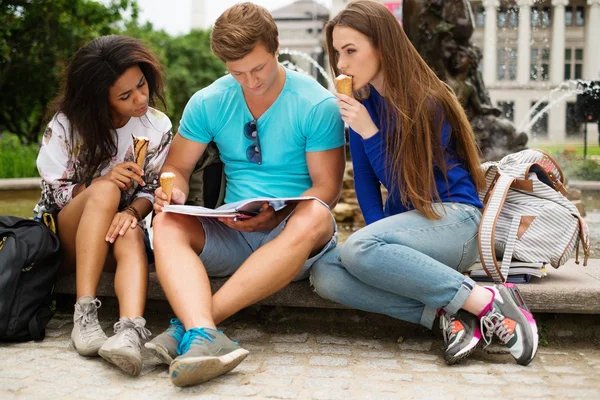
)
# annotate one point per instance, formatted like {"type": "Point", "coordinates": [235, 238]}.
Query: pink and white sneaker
{"type": "Point", "coordinates": [509, 319]}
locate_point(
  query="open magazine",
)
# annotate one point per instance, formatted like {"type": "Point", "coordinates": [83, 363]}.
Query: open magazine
{"type": "Point", "coordinates": [239, 209]}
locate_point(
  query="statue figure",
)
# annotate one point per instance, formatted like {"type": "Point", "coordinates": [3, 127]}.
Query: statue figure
{"type": "Point", "coordinates": [441, 31]}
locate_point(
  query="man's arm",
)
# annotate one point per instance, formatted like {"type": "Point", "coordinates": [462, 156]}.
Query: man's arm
{"type": "Point", "coordinates": [182, 159]}
{"type": "Point", "coordinates": [326, 169]}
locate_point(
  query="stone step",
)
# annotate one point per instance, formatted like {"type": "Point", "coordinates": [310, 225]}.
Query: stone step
{"type": "Point", "coordinates": [570, 289]}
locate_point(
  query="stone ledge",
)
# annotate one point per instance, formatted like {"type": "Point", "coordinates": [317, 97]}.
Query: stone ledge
{"type": "Point", "coordinates": [572, 289]}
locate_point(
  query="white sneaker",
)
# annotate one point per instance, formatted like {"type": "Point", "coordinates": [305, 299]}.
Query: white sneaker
{"type": "Point", "coordinates": [123, 349]}
{"type": "Point", "coordinates": [87, 335]}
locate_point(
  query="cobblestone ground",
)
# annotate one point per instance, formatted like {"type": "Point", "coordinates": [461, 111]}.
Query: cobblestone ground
{"type": "Point", "coordinates": [286, 362]}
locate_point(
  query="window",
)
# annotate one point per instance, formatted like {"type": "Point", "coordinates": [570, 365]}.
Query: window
{"type": "Point", "coordinates": [513, 17]}
{"type": "Point", "coordinates": [501, 17]}
{"type": "Point", "coordinates": [540, 128]}
{"type": "Point", "coordinates": [535, 17]}
{"type": "Point", "coordinates": [507, 64]}
{"type": "Point", "coordinates": [579, 16]}
{"type": "Point", "coordinates": [508, 109]}
{"type": "Point", "coordinates": [540, 64]}
{"type": "Point", "coordinates": [573, 63]}
{"type": "Point", "coordinates": [575, 16]}
{"type": "Point", "coordinates": [572, 126]}
{"type": "Point", "coordinates": [480, 20]}
{"type": "Point", "coordinates": [546, 20]}
{"type": "Point", "coordinates": [568, 16]}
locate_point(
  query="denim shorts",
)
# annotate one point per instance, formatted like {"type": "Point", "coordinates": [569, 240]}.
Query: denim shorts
{"type": "Point", "coordinates": [226, 249]}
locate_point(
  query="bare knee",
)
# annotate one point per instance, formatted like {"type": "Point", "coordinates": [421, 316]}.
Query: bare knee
{"type": "Point", "coordinates": [182, 229]}
{"type": "Point", "coordinates": [103, 195]}
{"type": "Point", "coordinates": [134, 240]}
{"type": "Point", "coordinates": [311, 221]}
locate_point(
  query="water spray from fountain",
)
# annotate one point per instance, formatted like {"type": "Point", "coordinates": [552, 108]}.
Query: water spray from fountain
{"type": "Point", "coordinates": [308, 58]}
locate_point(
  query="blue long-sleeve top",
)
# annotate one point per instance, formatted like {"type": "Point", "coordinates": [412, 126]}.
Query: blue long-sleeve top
{"type": "Point", "coordinates": [371, 170]}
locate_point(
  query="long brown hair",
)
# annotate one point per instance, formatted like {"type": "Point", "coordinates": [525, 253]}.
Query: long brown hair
{"type": "Point", "coordinates": [85, 91]}
{"type": "Point", "coordinates": [417, 102]}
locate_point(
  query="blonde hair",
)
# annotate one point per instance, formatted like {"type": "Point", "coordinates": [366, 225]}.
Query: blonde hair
{"type": "Point", "coordinates": [416, 101]}
{"type": "Point", "coordinates": [240, 28]}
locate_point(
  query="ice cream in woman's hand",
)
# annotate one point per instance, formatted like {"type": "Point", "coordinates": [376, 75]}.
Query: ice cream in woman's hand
{"type": "Point", "coordinates": [343, 84]}
{"type": "Point", "coordinates": [140, 148]}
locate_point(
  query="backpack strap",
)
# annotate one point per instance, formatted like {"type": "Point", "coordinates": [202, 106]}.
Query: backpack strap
{"type": "Point", "coordinates": [584, 240]}
{"type": "Point", "coordinates": [487, 251]}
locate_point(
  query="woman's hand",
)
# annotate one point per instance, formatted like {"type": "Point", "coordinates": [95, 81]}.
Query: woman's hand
{"type": "Point", "coordinates": [356, 116]}
{"type": "Point", "coordinates": [160, 198]}
{"type": "Point", "coordinates": [124, 174]}
{"type": "Point", "coordinates": [266, 220]}
{"type": "Point", "coordinates": [120, 223]}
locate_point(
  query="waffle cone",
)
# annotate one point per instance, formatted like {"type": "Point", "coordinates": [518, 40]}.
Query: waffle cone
{"type": "Point", "coordinates": [140, 145]}
{"type": "Point", "coordinates": [167, 180]}
{"type": "Point", "coordinates": [343, 85]}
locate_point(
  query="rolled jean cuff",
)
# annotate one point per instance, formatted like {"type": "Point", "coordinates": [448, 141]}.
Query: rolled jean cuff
{"type": "Point", "coordinates": [428, 317]}
{"type": "Point", "coordinates": [461, 296]}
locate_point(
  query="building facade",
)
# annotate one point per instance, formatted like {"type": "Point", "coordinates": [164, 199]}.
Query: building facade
{"type": "Point", "coordinates": [531, 50]}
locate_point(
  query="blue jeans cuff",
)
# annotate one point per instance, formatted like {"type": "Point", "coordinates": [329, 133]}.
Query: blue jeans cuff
{"type": "Point", "coordinates": [461, 296]}
{"type": "Point", "coordinates": [428, 317]}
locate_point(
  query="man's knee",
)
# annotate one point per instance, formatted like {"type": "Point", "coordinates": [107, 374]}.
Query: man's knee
{"type": "Point", "coordinates": [169, 226]}
{"type": "Point", "coordinates": [311, 219]}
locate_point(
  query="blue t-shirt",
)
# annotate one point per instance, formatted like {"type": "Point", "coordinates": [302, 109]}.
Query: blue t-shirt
{"type": "Point", "coordinates": [371, 170]}
{"type": "Point", "coordinates": [303, 118]}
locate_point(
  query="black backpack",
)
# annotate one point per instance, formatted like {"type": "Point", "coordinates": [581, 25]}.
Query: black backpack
{"type": "Point", "coordinates": [29, 262]}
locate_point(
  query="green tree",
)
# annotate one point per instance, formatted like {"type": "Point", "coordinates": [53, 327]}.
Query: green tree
{"type": "Point", "coordinates": [37, 38]}
{"type": "Point", "coordinates": [189, 63]}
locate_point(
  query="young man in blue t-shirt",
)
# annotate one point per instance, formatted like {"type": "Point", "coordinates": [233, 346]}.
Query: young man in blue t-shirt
{"type": "Point", "coordinates": [279, 134]}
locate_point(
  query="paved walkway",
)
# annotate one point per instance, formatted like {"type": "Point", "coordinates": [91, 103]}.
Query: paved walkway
{"type": "Point", "coordinates": [368, 362]}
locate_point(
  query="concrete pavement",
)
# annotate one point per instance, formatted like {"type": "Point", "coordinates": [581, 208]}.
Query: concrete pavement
{"type": "Point", "coordinates": [308, 354]}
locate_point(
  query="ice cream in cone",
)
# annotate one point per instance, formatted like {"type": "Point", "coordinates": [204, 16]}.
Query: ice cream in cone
{"type": "Point", "coordinates": [343, 84]}
{"type": "Point", "coordinates": [166, 182]}
{"type": "Point", "coordinates": [140, 147]}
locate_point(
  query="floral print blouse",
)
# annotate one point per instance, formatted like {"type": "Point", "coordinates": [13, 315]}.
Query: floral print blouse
{"type": "Point", "coordinates": [60, 159]}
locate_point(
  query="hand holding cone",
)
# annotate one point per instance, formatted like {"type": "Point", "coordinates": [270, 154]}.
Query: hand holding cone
{"type": "Point", "coordinates": [343, 84]}
{"type": "Point", "coordinates": [167, 179]}
{"type": "Point", "coordinates": [140, 147]}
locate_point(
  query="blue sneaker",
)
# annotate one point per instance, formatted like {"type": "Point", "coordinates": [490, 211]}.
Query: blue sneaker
{"type": "Point", "coordinates": [204, 354]}
{"type": "Point", "coordinates": [164, 346]}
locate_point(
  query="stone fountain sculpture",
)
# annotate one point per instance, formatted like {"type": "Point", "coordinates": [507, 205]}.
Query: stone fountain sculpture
{"type": "Point", "coordinates": [441, 31]}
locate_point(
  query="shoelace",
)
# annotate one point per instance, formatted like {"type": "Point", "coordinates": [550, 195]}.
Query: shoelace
{"type": "Point", "coordinates": [130, 332]}
{"type": "Point", "coordinates": [194, 335]}
{"type": "Point", "coordinates": [493, 322]}
{"type": "Point", "coordinates": [88, 318]}
{"type": "Point", "coordinates": [176, 329]}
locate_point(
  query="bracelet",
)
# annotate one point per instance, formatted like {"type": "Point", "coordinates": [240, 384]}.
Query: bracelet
{"type": "Point", "coordinates": [134, 212]}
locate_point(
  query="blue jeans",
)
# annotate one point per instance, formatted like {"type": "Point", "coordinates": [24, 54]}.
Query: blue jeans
{"type": "Point", "coordinates": [405, 266]}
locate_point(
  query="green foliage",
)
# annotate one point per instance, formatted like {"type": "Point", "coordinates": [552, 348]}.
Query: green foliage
{"type": "Point", "coordinates": [585, 170]}
{"type": "Point", "coordinates": [17, 160]}
{"type": "Point", "coordinates": [37, 38]}
{"type": "Point", "coordinates": [190, 65]}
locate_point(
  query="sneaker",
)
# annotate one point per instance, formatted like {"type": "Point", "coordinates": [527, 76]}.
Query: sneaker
{"type": "Point", "coordinates": [87, 335]}
{"type": "Point", "coordinates": [509, 319]}
{"type": "Point", "coordinates": [461, 334]}
{"type": "Point", "coordinates": [164, 346]}
{"type": "Point", "coordinates": [123, 349]}
{"type": "Point", "coordinates": [204, 354]}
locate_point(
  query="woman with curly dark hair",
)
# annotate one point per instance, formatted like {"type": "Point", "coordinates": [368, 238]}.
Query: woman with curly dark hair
{"type": "Point", "coordinates": [99, 163]}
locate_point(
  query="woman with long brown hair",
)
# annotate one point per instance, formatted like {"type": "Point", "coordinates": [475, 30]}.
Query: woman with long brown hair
{"type": "Point", "coordinates": [409, 133]}
{"type": "Point", "coordinates": [99, 162]}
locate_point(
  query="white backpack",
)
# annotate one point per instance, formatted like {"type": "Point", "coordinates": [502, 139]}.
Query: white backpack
{"type": "Point", "coordinates": [527, 216]}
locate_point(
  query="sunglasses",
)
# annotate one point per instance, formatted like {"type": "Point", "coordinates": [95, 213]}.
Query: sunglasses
{"type": "Point", "coordinates": [253, 153]}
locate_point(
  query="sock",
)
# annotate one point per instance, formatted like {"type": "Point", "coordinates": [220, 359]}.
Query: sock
{"type": "Point", "coordinates": [489, 307]}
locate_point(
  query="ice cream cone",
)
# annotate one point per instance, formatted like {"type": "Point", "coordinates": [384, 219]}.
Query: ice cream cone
{"type": "Point", "coordinates": [166, 182]}
{"type": "Point", "coordinates": [343, 84]}
{"type": "Point", "coordinates": [140, 147]}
